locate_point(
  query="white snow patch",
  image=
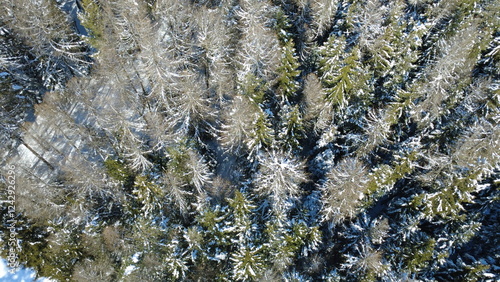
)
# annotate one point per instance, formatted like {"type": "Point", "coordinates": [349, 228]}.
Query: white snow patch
{"type": "Point", "coordinates": [129, 269]}
{"type": "Point", "coordinates": [220, 256]}
{"type": "Point", "coordinates": [135, 257]}
{"type": "Point", "coordinates": [26, 155]}
{"type": "Point", "coordinates": [3, 269]}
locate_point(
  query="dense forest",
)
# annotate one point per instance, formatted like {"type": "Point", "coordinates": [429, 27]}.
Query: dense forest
{"type": "Point", "coordinates": [251, 140]}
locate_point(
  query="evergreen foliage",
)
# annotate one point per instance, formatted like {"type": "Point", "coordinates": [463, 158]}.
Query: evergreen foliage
{"type": "Point", "coordinates": [161, 140]}
{"type": "Point", "coordinates": [288, 72]}
{"type": "Point", "coordinates": [92, 21]}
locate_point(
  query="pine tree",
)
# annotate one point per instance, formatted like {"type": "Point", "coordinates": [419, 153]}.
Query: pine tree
{"type": "Point", "coordinates": [288, 72]}
{"type": "Point", "coordinates": [279, 177]}
{"type": "Point", "coordinates": [57, 51]}
{"type": "Point", "coordinates": [323, 13]}
{"type": "Point", "coordinates": [241, 212]}
{"type": "Point", "coordinates": [301, 140]}
{"type": "Point", "coordinates": [92, 20]}
{"type": "Point", "coordinates": [345, 187]}
{"type": "Point", "coordinates": [148, 194]}
{"type": "Point", "coordinates": [190, 112]}
{"type": "Point", "coordinates": [176, 262]}
{"type": "Point", "coordinates": [261, 135]}
{"type": "Point", "coordinates": [248, 263]}
{"type": "Point", "coordinates": [342, 74]}
{"type": "Point", "coordinates": [292, 128]}
{"type": "Point", "coordinates": [246, 127]}
{"type": "Point", "coordinates": [288, 238]}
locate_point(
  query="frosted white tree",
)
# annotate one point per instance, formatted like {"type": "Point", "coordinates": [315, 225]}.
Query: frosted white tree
{"type": "Point", "coordinates": [198, 172]}
{"type": "Point", "coordinates": [245, 127]}
{"type": "Point", "coordinates": [259, 52]}
{"type": "Point", "coordinates": [176, 192]}
{"type": "Point", "coordinates": [377, 130]}
{"type": "Point", "coordinates": [323, 12]}
{"type": "Point", "coordinates": [279, 177]}
{"type": "Point", "coordinates": [450, 72]}
{"type": "Point", "coordinates": [367, 17]}
{"type": "Point", "coordinates": [343, 190]}
{"type": "Point", "coordinates": [190, 109]}
{"type": "Point", "coordinates": [314, 98]}
{"type": "Point", "coordinates": [132, 145]}
{"type": "Point", "coordinates": [216, 37]}
{"type": "Point", "coordinates": [46, 29]}
{"type": "Point", "coordinates": [368, 262]}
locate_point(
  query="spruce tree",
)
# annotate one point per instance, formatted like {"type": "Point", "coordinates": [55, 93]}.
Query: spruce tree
{"type": "Point", "coordinates": [288, 72]}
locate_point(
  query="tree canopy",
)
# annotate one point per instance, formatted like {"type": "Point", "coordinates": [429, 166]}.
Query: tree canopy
{"type": "Point", "coordinates": [217, 140]}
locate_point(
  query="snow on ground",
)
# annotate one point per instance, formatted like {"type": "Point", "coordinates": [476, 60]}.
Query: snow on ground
{"type": "Point", "coordinates": [22, 275]}
{"type": "Point", "coordinates": [129, 269]}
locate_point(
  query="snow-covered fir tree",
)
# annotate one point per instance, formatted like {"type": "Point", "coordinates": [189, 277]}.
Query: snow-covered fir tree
{"type": "Point", "coordinates": [218, 140]}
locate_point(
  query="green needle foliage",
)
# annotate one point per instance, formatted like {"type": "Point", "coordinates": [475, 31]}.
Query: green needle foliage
{"type": "Point", "coordinates": [247, 140]}
{"type": "Point", "coordinates": [92, 20]}
{"type": "Point", "coordinates": [288, 72]}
